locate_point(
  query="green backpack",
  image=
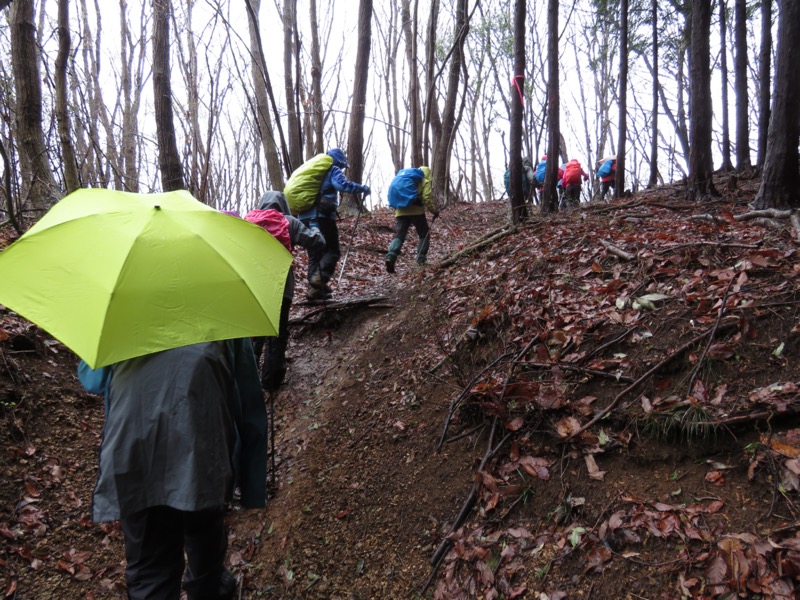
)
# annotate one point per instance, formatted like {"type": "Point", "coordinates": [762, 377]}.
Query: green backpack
{"type": "Point", "coordinates": [302, 189]}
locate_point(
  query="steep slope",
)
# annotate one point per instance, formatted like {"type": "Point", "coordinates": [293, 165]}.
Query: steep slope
{"type": "Point", "coordinates": [607, 397]}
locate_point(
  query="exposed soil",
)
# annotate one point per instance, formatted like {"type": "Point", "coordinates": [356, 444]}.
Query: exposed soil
{"type": "Point", "coordinates": [687, 488]}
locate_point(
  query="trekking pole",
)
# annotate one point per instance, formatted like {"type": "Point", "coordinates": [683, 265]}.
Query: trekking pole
{"type": "Point", "coordinates": [352, 237]}
{"type": "Point", "coordinates": [272, 478]}
{"type": "Point", "coordinates": [428, 234]}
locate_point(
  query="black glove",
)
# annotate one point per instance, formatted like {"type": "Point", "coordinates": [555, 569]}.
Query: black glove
{"type": "Point", "coordinates": [365, 190]}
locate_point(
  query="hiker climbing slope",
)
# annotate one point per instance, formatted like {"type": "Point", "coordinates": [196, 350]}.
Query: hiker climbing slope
{"type": "Point", "coordinates": [410, 194]}
{"type": "Point", "coordinates": [273, 215]}
{"type": "Point", "coordinates": [313, 195]}
{"type": "Point", "coordinates": [572, 181]}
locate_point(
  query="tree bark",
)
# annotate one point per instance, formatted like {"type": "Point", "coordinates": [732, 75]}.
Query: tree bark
{"type": "Point", "coordinates": [290, 58]}
{"type": "Point", "coordinates": [723, 67]}
{"type": "Point", "coordinates": [765, 59]}
{"type": "Point", "coordinates": [263, 119]}
{"type": "Point", "coordinates": [549, 194]}
{"type": "Point", "coordinates": [71, 178]}
{"type": "Point", "coordinates": [619, 179]}
{"type": "Point", "coordinates": [701, 167]}
{"type": "Point", "coordinates": [780, 179]}
{"type": "Point", "coordinates": [409, 25]}
{"type": "Point", "coordinates": [355, 136]}
{"type": "Point", "coordinates": [518, 209]}
{"type": "Point", "coordinates": [444, 143]}
{"type": "Point", "coordinates": [742, 97]}
{"type": "Point", "coordinates": [38, 185]}
{"type": "Point", "coordinates": [653, 181]}
{"type": "Point", "coordinates": [318, 115]}
{"type": "Point", "coordinates": [168, 158]}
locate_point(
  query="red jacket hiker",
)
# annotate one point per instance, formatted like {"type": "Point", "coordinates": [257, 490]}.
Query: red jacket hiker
{"type": "Point", "coordinates": [573, 172]}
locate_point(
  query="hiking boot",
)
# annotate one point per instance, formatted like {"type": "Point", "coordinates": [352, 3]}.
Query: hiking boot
{"type": "Point", "coordinates": [317, 294]}
{"type": "Point", "coordinates": [389, 266]}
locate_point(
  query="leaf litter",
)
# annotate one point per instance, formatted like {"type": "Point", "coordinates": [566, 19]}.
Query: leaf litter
{"type": "Point", "coordinates": [591, 404]}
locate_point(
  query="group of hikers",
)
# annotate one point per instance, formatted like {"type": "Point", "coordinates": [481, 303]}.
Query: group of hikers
{"type": "Point", "coordinates": [184, 428]}
{"type": "Point", "coordinates": [570, 180]}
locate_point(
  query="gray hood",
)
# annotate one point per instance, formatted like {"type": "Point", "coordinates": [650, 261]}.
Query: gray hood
{"type": "Point", "coordinates": [275, 201]}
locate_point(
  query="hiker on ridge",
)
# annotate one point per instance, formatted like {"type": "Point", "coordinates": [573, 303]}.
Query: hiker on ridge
{"type": "Point", "coordinates": [608, 175]}
{"type": "Point", "coordinates": [322, 216]}
{"type": "Point", "coordinates": [182, 428]}
{"type": "Point", "coordinates": [541, 171]}
{"type": "Point", "coordinates": [573, 179]}
{"type": "Point", "coordinates": [410, 194]}
{"type": "Point", "coordinates": [528, 180]}
{"type": "Point", "coordinates": [273, 215]}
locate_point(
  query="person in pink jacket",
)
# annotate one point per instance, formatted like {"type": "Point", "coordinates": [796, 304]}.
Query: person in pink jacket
{"type": "Point", "coordinates": [573, 179]}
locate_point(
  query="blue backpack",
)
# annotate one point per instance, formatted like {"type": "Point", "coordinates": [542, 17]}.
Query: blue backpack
{"type": "Point", "coordinates": [605, 169]}
{"type": "Point", "coordinates": [541, 169]}
{"type": "Point", "coordinates": [403, 189]}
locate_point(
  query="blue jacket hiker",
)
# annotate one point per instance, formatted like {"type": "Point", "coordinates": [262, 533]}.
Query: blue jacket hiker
{"type": "Point", "coordinates": [183, 427]}
{"type": "Point", "coordinates": [410, 194]}
{"type": "Point", "coordinates": [322, 216]}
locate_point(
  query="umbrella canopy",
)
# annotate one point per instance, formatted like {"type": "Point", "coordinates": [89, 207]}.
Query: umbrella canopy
{"type": "Point", "coordinates": [115, 275]}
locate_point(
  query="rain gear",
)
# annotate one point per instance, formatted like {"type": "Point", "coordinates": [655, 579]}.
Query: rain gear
{"type": "Point", "coordinates": [528, 178]}
{"type": "Point", "coordinates": [322, 263]}
{"type": "Point", "coordinates": [274, 369]}
{"type": "Point", "coordinates": [413, 215]}
{"type": "Point", "coordinates": [335, 182]}
{"type": "Point", "coordinates": [183, 427]}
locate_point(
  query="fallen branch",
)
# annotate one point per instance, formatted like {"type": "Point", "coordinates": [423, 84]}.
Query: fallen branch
{"type": "Point", "coordinates": [707, 217]}
{"type": "Point", "coordinates": [371, 302]}
{"type": "Point", "coordinates": [611, 342]}
{"type": "Point", "coordinates": [616, 251]}
{"type": "Point", "coordinates": [466, 508]}
{"type": "Point", "coordinates": [637, 383]}
{"type": "Point", "coordinates": [765, 222]}
{"type": "Point", "coordinates": [771, 213]}
{"type": "Point", "coordinates": [497, 234]}
{"type": "Point", "coordinates": [713, 334]}
{"type": "Point", "coordinates": [667, 249]}
{"type": "Point", "coordinates": [577, 369]}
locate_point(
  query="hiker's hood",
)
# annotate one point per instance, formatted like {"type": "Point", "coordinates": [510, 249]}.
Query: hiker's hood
{"type": "Point", "coordinates": [339, 158]}
{"type": "Point", "coordinates": [574, 161]}
{"type": "Point", "coordinates": [274, 200]}
{"type": "Point", "coordinates": [426, 171]}
{"type": "Point", "coordinates": [544, 157]}
{"type": "Point", "coordinates": [527, 161]}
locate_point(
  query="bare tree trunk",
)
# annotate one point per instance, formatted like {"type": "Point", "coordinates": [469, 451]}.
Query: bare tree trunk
{"type": "Point", "coordinates": [131, 99]}
{"type": "Point", "coordinates": [726, 135]}
{"type": "Point", "coordinates": [409, 24]}
{"type": "Point", "coordinates": [318, 118]}
{"type": "Point", "coordinates": [619, 182]}
{"type": "Point", "coordinates": [765, 58]}
{"type": "Point", "coordinates": [38, 187]}
{"type": "Point", "coordinates": [549, 194]}
{"type": "Point", "coordinates": [168, 158]}
{"type": "Point", "coordinates": [519, 211]}
{"type": "Point", "coordinates": [263, 120]}
{"type": "Point", "coordinates": [432, 120]}
{"type": "Point", "coordinates": [781, 177]}
{"type": "Point", "coordinates": [71, 179]}
{"type": "Point", "coordinates": [290, 55]}
{"type": "Point", "coordinates": [355, 137]}
{"type": "Point", "coordinates": [444, 143]}
{"type": "Point", "coordinates": [701, 166]}
{"type": "Point", "coordinates": [653, 181]}
{"type": "Point", "coordinates": [742, 98]}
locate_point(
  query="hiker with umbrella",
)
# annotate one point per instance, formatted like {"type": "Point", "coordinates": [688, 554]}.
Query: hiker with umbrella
{"type": "Point", "coordinates": [322, 216]}
{"type": "Point", "coordinates": [410, 195]}
{"type": "Point", "coordinates": [158, 294]}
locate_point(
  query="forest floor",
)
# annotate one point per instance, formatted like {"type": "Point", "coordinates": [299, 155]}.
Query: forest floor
{"type": "Point", "coordinates": [597, 404]}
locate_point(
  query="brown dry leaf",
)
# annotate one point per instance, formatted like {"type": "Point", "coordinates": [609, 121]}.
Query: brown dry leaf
{"type": "Point", "coordinates": [783, 449]}
{"type": "Point", "coordinates": [715, 477]}
{"type": "Point", "coordinates": [515, 424]}
{"type": "Point", "coordinates": [567, 427]}
{"type": "Point", "coordinates": [538, 467]}
{"type": "Point", "coordinates": [594, 471]}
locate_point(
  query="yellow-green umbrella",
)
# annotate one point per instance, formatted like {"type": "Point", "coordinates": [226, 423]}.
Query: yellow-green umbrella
{"type": "Point", "coordinates": [115, 275]}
